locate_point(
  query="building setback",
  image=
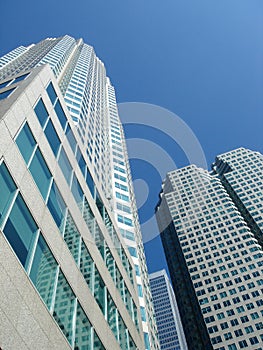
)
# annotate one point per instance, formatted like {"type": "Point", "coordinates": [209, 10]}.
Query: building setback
{"type": "Point", "coordinates": [210, 226]}
{"type": "Point", "coordinates": [170, 331]}
{"type": "Point", "coordinates": [69, 167]}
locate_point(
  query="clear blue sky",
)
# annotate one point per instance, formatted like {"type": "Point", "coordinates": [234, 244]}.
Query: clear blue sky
{"type": "Point", "coordinates": [202, 60]}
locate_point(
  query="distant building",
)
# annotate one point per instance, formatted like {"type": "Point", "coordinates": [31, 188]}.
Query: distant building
{"type": "Point", "coordinates": [67, 205]}
{"type": "Point", "coordinates": [211, 230]}
{"type": "Point", "coordinates": [170, 331]}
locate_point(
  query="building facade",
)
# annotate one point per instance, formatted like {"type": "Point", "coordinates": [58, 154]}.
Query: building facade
{"type": "Point", "coordinates": [170, 330]}
{"type": "Point", "coordinates": [213, 250]}
{"type": "Point", "coordinates": [77, 92]}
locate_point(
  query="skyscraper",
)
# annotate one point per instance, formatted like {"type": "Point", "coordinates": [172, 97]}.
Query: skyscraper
{"type": "Point", "coordinates": [213, 251]}
{"type": "Point", "coordinates": [170, 331]}
{"type": "Point", "coordinates": [74, 114]}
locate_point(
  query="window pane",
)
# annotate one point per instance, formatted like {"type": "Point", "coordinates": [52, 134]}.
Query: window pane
{"type": "Point", "coordinates": [83, 330]}
{"type": "Point", "coordinates": [41, 112]}
{"type": "Point", "coordinates": [52, 137]}
{"type": "Point", "coordinates": [65, 166]}
{"type": "Point", "coordinates": [99, 291]}
{"type": "Point", "coordinates": [43, 271]}
{"type": "Point", "coordinates": [57, 206]}
{"type": "Point", "coordinates": [22, 77]}
{"type": "Point", "coordinates": [60, 114]}
{"type": "Point", "coordinates": [7, 191]}
{"type": "Point", "coordinates": [77, 192]}
{"type": "Point", "coordinates": [26, 142]}
{"type": "Point", "coordinates": [112, 315]}
{"type": "Point", "coordinates": [64, 307]}
{"type": "Point", "coordinates": [81, 162]}
{"type": "Point", "coordinates": [88, 216]}
{"type": "Point", "coordinates": [97, 343]}
{"type": "Point", "coordinates": [40, 173]}
{"type": "Point", "coordinates": [71, 139]}
{"type": "Point", "coordinates": [20, 230]}
{"type": "Point", "coordinates": [51, 93]}
{"type": "Point", "coordinates": [86, 265]}
{"type": "Point", "coordinates": [5, 84]}
{"type": "Point", "coordinates": [72, 237]}
{"type": "Point", "coordinates": [6, 93]}
{"type": "Point", "coordinates": [90, 183]}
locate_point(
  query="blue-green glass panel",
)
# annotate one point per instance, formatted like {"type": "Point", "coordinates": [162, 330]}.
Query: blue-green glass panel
{"type": "Point", "coordinates": [83, 331]}
{"type": "Point", "coordinates": [43, 271]}
{"type": "Point", "coordinates": [77, 192]}
{"type": "Point", "coordinates": [146, 341]}
{"type": "Point", "coordinates": [6, 93]}
{"type": "Point", "coordinates": [56, 206]}
{"type": "Point", "coordinates": [60, 114]}
{"type": "Point", "coordinates": [72, 237]}
{"type": "Point", "coordinates": [52, 137]}
{"type": "Point", "coordinates": [132, 345]}
{"type": "Point", "coordinates": [64, 307]}
{"type": "Point", "coordinates": [65, 165]}
{"type": "Point", "coordinates": [71, 139]}
{"type": "Point", "coordinates": [90, 183]}
{"type": "Point", "coordinates": [26, 142]}
{"type": "Point", "coordinates": [81, 163]}
{"type": "Point", "coordinates": [88, 216]}
{"type": "Point", "coordinates": [51, 93]}
{"type": "Point", "coordinates": [86, 265]}
{"type": "Point", "coordinates": [7, 191]}
{"type": "Point", "coordinates": [2, 85]}
{"type": "Point", "coordinates": [97, 345]}
{"type": "Point", "coordinates": [143, 314]}
{"type": "Point", "coordinates": [41, 112]}
{"type": "Point", "coordinates": [20, 230]}
{"type": "Point", "coordinates": [99, 290]}
{"type": "Point", "coordinates": [112, 315]}
{"type": "Point", "coordinates": [40, 173]}
{"type": "Point", "coordinates": [122, 333]}
{"type": "Point", "coordinates": [22, 77]}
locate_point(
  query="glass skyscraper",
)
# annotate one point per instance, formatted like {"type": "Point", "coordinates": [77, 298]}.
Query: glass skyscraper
{"type": "Point", "coordinates": [66, 188]}
{"type": "Point", "coordinates": [170, 331]}
{"type": "Point", "coordinates": [211, 230]}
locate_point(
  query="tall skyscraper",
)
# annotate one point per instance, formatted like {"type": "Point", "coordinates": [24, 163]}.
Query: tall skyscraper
{"type": "Point", "coordinates": [75, 143]}
{"type": "Point", "coordinates": [170, 330]}
{"type": "Point", "coordinates": [210, 228]}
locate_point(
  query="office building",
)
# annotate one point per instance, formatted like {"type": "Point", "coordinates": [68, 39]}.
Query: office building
{"type": "Point", "coordinates": [210, 228]}
{"type": "Point", "coordinates": [60, 118]}
{"type": "Point", "coordinates": [170, 330]}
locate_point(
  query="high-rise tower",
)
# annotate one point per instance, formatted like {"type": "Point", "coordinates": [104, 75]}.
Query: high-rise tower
{"type": "Point", "coordinates": [213, 250]}
{"type": "Point", "coordinates": [80, 96]}
{"type": "Point", "coordinates": [170, 330]}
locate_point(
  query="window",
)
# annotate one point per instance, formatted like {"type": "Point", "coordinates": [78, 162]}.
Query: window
{"type": "Point", "coordinates": [65, 165]}
{"type": "Point", "coordinates": [7, 191]}
{"type": "Point", "coordinates": [71, 139]}
{"type": "Point", "coordinates": [77, 192]}
{"type": "Point", "coordinates": [51, 93]}
{"type": "Point", "coordinates": [41, 112]}
{"type": "Point", "coordinates": [60, 114]}
{"type": "Point", "coordinates": [52, 137]}
{"type": "Point", "coordinates": [40, 173]}
{"type": "Point", "coordinates": [43, 271]}
{"type": "Point", "coordinates": [20, 230]}
{"type": "Point", "coordinates": [56, 205]}
{"type": "Point", "coordinates": [83, 330]}
{"type": "Point", "coordinates": [26, 143]}
{"type": "Point", "coordinates": [6, 93]}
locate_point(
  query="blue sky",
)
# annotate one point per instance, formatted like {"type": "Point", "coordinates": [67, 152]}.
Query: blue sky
{"type": "Point", "coordinates": [202, 60]}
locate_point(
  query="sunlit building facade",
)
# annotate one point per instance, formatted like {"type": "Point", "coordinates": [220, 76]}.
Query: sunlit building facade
{"type": "Point", "coordinates": [76, 139]}
{"type": "Point", "coordinates": [213, 250]}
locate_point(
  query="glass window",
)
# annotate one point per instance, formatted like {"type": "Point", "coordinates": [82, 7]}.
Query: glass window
{"type": "Point", "coordinates": [77, 192]}
{"type": "Point", "coordinates": [97, 345]}
{"type": "Point", "coordinates": [20, 230]}
{"type": "Point", "coordinates": [56, 206]}
{"type": "Point", "coordinates": [112, 315]}
{"type": "Point", "coordinates": [83, 330]}
{"type": "Point", "coordinates": [52, 137]}
{"type": "Point", "coordinates": [122, 333]}
{"type": "Point", "coordinates": [143, 314]}
{"type": "Point", "coordinates": [65, 165]}
{"type": "Point", "coordinates": [6, 93]}
{"type": "Point", "coordinates": [81, 163]}
{"type": "Point", "coordinates": [7, 191]}
{"type": "Point", "coordinates": [26, 143]}
{"type": "Point", "coordinates": [40, 173]}
{"type": "Point", "coordinates": [72, 237]}
{"type": "Point", "coordinates": [64, 306]}
{"type": "Point", "coordinates": [71, 139]}
{"type": "Point", "coordinates": [60, 114]}
{"type": "Point", "coordinates": [88, 216]}
{"type": "Point", "coordinates": [43, 271]}
{"type": "Point", "coordinates": [51, 93]}
{"type": "Point", "coordinates": [5, 84]}
{"type": "Point", "coordinates": [86, 266]}
{"type": "Point", "coordinates": [90, 183]}
{"type": "Point", "coordinates": [99, 291]}
{"type": "Point", "coordinates": [22, 77]}
{"type": "Point", "coordinates": [41, 112]}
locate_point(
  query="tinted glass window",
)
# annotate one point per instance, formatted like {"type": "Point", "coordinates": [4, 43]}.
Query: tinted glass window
{"type": "Point", "coordinates": [60, 114]}
{"type": "Point", "coordinates": [26, 142]}
{"type": "Point", "coordinates": [51, 93]}
{"type": "Point", "coordinates": [41, 112]}
{"type": "Point", "coordinates": [65, 166]}
{"type": "Point", "coordinates": [7, 191]}
{"type": "Point", "coordinates": [6, 93]}
{"type": "Point", "coordinates": [71, 139]}
{"type": "Point", "coordinates": [57, 206]}
{"type": "Point", "coordinates": [52, 137]}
